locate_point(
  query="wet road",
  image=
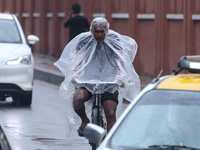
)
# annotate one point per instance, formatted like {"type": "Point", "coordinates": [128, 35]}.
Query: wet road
{"type": "Point", "coordinates": [43, 125]}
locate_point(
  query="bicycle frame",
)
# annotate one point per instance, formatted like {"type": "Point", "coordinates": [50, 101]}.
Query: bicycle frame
{"type": "Point", "coordinates": [98, 119]}
{"type": "Point", "coordinates": [96, 116]}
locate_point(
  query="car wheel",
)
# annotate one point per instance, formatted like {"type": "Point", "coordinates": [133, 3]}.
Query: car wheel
{"type": "Point", "coordinates": [16, 101]}
{"type": "Point", "coordinates": [24, 99]}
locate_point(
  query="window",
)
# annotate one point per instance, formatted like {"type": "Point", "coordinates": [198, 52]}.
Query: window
{"type": "Point", "coordinates": [161, 117]}
{"type": "Point", "coordinates": [9, 32]}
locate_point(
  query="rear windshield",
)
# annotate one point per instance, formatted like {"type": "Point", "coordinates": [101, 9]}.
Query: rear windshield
{"type": "Point", "coordinates": [9, 32]}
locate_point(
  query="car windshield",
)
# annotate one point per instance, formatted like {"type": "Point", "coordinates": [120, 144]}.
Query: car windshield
{"type": "Point", "coordinates": [161, 117]}
{"type": "Point", "coordinates": [9, 32]}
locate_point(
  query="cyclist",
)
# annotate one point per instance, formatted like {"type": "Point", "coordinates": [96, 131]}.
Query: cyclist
{"type": "Point", "coordinates": [99, 55]}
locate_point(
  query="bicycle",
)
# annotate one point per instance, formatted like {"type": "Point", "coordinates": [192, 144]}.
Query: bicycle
{"type": "Point", "coordinates": [97, 90]}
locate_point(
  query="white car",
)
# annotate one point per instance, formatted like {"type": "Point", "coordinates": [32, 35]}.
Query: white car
{"type": "Point", "coordinates": [16, 61]}
{"type": "Point", "coordinates": [164, 116]}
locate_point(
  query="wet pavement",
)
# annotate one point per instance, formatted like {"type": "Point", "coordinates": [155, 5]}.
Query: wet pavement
{"type": "Point", "coordinates": [43, 125]}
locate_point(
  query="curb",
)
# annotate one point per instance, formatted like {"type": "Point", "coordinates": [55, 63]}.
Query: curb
{"type": "Point", "coordinates": [49, 76]}
{"type": "Point", "coordinates": [57, 78]}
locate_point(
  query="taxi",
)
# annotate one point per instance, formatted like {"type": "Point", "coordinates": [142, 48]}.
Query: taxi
{"type": "Point", "coordinates": [164, 115]}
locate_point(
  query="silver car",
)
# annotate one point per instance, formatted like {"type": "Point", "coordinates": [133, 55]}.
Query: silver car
{"type": "Point", "coordinates": [4, 141]}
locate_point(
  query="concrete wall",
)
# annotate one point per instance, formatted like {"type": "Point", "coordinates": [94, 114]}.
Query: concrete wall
{"type": "Point", "coordinates": [165, 30]}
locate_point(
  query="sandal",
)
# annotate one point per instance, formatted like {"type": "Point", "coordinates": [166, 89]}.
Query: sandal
{"type": "Point", "coordinates": [79, 133]}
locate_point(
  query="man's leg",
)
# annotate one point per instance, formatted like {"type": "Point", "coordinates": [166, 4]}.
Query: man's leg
{"type": "Point", "coordinates": [81, 96]}
{"type": "Point", "coordinates": [110, 107]}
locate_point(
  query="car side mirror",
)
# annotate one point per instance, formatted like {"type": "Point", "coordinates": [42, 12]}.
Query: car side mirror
{"type": "Point", "coordinates": [94, 133]}
{"type": "Point", "coordinates": [32, 39]}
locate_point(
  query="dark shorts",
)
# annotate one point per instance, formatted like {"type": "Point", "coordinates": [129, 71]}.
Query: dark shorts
{"type": "Point", "coordinates": [106, 96]}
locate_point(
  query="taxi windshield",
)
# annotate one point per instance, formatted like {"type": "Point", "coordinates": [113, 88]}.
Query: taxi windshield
{"type": "Point", "coordinates": [161, 117]}
{"type": "Point", "coordinates": [9, 32]}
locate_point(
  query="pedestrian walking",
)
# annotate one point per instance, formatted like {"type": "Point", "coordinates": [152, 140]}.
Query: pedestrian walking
{"type": "Point", "coordinates": [76, 22]}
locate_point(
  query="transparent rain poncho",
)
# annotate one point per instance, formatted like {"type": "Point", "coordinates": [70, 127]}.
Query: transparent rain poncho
{"type": "Point", "coordinates": [111, 60]}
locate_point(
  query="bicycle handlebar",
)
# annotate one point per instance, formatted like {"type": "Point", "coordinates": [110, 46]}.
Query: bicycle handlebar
{"type": "Point", "coordinates": [94, 82]}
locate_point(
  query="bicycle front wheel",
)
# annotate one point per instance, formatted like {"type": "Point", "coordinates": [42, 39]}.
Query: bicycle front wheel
{"type": "Point", "coordinates": [94, 146]}
{"type": "Point", "coordinates": [96, 120]}
{"type": "Point", "coordinates": [96, 116]}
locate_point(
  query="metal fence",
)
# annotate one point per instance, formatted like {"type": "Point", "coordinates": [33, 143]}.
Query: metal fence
{"type": "Point", "coordinates": [165, 30]}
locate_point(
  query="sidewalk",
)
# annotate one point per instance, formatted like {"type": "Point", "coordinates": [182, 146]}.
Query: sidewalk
{"type": "Point", "coordinates": [46, 71]}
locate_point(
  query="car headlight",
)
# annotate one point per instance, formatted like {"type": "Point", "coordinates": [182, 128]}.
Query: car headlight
{"type": "Point", "coordinates": [21, 60]}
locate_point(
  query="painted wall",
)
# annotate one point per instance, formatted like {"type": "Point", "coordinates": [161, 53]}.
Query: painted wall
{"type": "Point", "coordinates": [165, 30]}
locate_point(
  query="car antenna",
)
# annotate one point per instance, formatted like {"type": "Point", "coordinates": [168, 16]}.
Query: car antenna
{"type": "Point", "coordinates": [157, 78]}
{"type": "Point", "coordinates": [177, 72]}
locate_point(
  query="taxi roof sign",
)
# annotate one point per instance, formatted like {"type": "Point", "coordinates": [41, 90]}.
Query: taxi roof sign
{"type": "Point", "coordinates": [190, 63]}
